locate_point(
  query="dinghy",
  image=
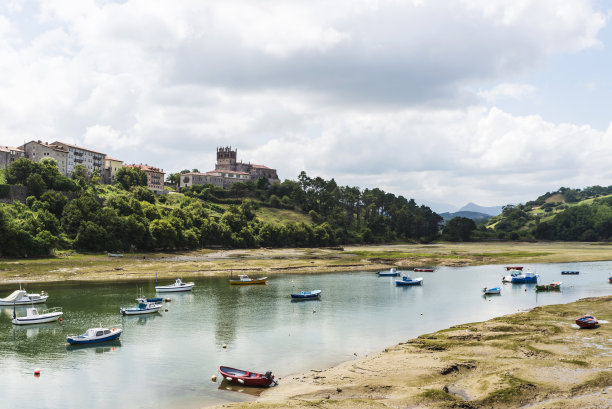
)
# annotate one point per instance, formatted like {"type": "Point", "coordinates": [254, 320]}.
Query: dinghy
{"type": "Point", "coordinates": [246, 378]}
{"type": "Point", "coordinates": [94, 335]}
{"type": "Point", "coordinates": [391, 273]}
{"type": "Point", "coordinates": [244, 279]}
{"type": "Point", "coordinates": [588, 321]}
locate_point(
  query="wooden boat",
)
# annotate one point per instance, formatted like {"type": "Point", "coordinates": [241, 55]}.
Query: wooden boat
{"type": "Point", "coordinates": [178, 285]}
{"type": "Point", "coordinates": [21, 297]}
{"type": "Point", "coordinates": [246, 378]}
{"type": "Point", "coordinates": [34, 317]}
{"type": "Point", "coordinates": [391, 273]}
{"type": "Point", "coordinates": [143, 307]}
{"type": "Point", "coordinates": [588, 321]}
{"type": "Point", "coordinates": [406, 280]}
{"type": "Point", "coordinates": [489, 291]}
{"type": "Point", "coordinates": [94, 335]}
{"type": "Point", "coordinates": [570, 272]}
{"type": "Point", "coordinates": [519, 268]}
{"type": "Point", "coordinates": [556, 286]}
{"type": "Point", "coordinates": [424, 270]}
{"type": "Point", "coordinates": [306, 295]}
{"type": "Point", "coordinates": [527, 277]}
{"type": "Point", "coordinates": [244, 279]}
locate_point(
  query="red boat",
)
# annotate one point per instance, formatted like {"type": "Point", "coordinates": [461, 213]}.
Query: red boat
{"type": "Point", "coordinates": [425, 270]}
{"type": "Point", "coordinates": [514, 268]}
{"type": "Point", "coordinates": [588, 321]}
{"type": "Point", "coordinates": [246, 378]}
{"type": "Point", "coordinates": [610, 278]}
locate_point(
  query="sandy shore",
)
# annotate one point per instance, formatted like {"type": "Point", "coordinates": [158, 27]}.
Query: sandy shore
{"type": "Point", "coordinates": [536, 359]}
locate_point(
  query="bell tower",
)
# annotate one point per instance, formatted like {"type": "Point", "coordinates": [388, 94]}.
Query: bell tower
{"type": "Point", "coordinates": [226, 158]}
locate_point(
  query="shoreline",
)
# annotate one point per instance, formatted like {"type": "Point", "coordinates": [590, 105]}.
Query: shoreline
{"type": "Point", "coordinates": [535, 359]}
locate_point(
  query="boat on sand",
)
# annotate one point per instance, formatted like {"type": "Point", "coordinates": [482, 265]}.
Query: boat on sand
{"type": "Point", "coordinates": [246, 378]}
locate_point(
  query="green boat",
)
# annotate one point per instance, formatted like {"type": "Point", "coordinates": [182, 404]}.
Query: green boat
{"type": "Point", "coordinates": [549, 287]}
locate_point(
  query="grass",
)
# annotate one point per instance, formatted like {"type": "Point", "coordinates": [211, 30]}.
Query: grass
{"type": "Point", "coordinates": [2, 176]}
{"type": "Point", "coordinates": [273, 215]}
{"type": "Point", "coordinates": [437, 395]}
{"type": "Point", "coordinates": [574, 362]}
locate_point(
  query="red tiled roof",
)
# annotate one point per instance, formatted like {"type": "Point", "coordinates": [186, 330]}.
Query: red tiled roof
{"type": "Point", "coordinates": [145, 168]}
{"type": "Point", "coordinates": [77, 147]}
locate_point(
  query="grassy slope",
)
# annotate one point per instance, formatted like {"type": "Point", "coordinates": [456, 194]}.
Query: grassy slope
{"type": "Point", "coordinates": [2, 178]}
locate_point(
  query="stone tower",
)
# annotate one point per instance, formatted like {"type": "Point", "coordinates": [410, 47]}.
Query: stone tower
{"type": "Point", "coordinates": [226, 158]}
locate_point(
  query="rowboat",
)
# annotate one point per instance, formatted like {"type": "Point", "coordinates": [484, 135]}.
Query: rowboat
{"type": "Point", "coordinates": [94, 335]}
{"type": "Point", "coordinates": [244, 279]}
{"type": "Point", "coordinates": [306, 295]}
{"type": "Point", "coordinates": [143, 307]}
{"type": "Point", "coordinates": [246, 378]}
{"type": "Point", "coordinates": [424, 270]}
{"type": "Point", "coordinates": [34, 317]}
{"type": "Point", "coordinates": [570, 272]}
{"type": "Point", "coordinates": [588, 321]}
{"type": "Point", "coordinates": [21, 297]}
{"type": "Point", "coordinates": [409, 281]}
{"type": "Point", "coordinates": [178, 285]}
{"type": "Point", "coordinates": [556, 286]}
{"type": "Point", "coordinates": [489, 291]}
{"type": "Point", "coordinates": [508, 268]}
{"type": "Point", "coordinates": [391, 273]}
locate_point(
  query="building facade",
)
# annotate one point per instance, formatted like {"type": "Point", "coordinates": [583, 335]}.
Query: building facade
{"type": "Point", "coordinates": [37, 151]}
{"type": "Point", "coordinates": [92, 160]}
{"type": "Point", "coordinates": [111, 167]}
{"type": "Point", "coordinates": [155, 176]}
{"type": "Point", "coordinates": [9, 155]}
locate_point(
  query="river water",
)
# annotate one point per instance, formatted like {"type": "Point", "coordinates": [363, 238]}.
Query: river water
{"type": "Point", "coordinates": [166, 360]}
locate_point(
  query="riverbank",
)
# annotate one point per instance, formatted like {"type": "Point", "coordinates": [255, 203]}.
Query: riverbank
{"type": "Point", "coordinates": [536, 359]}
{"type": "Point", "coordinates": [268, 262]}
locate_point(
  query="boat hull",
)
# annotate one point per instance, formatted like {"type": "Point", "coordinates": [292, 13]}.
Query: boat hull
{"type": "Point", "coordinates": [81, 341]}
{"type": "Point", "coordinates": [254, 281]}
{"type": "Point", "coordinates": [138, 311]}
{"type": "Point", "coordinates": [381, 274]}
{"type": "Point", "coordinates": [587, 322]}
{"type": "Point", "coordinates": [173, 289]}
{"type": "Point", "coordinates": [41, 319]}
{"type": "Point", "coordinates": [424, 270]}
{"type": "Point", "coordinates": [570, 272]}
{"type": "Point", "coordinates": [40, 300]}
{"type": "Point", "coordinates": [240, 377]}
{"type": "Point", "coordinates": [402, 283]}
{"type": "Point", "coordinates": [306, 295]}
{"type": "Point", "coordinates": [519, 268]}
{"type": "Point", "coordinates": [491, 291]}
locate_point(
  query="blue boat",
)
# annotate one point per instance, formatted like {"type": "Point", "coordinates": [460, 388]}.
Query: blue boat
{"type": "Point", "coordinates": [143, 307]}
{"type": "Point", "coordinates": [391, 273]}
{"type": "Point", "coordinates": [570, 272]}
{"type": "Point", "coordinates": [527, 277]}
{"type": "Point", "coordinates": [94, 335]}
{"type": "Point", "coordinates": [305, 295]}
{"type": "Point", "coordinates": [409, 281]}
{"type": "Point", "coordinates": [489, 291]}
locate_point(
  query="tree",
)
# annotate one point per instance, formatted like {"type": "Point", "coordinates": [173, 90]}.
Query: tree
{"type": "Point", "coordinates": [143, 193]}
{"type": "Point", "coordinates": [36, 185]}
{"type": "Point", "coordinates": [459, 229]}
{"type": "Point", "coordinates": [128, 177]}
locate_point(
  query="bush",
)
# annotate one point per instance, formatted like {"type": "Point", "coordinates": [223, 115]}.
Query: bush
{"type": "Point", "coordinates": [5, 191]}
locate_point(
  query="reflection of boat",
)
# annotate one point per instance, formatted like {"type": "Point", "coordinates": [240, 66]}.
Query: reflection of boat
{"type": "Point", "coordinates": [494, 290]}
{"type": "Point", "coordinates": [306, 295]}
{"type": "Point", "coordinates": [244, 279]}
{"type": "Point", "coordinates": [108, 346]}
{"type": "Point", "coordinates": [391, 273]}
{"type": "Point", "coordinates": [565, 272]}
{"type": "Point", "coordinates": [406, 280]}
{"type": "Point", "coordinates": [34, 317]}
{"type": "Point", "coordinates": [527, 277]}
{"type": "Point", "coordinates": [143, 307]}
{"type": "Point", "coordinates": [21, 297]}
{"type": "Point", "coordinates": [556, 286]}
{"type": "Point", "coordinates": [94, 335]}
{"type": "Point", "coordinates": [246, 378]}
{"type": "Point", "coordinates": [519, 268]}
{"type": "Point", "coordinates": [178, 285]}
{"type": "Point", "coordinates": [424, 270]}
{"type": "Point", "coordinates": [588, 321]}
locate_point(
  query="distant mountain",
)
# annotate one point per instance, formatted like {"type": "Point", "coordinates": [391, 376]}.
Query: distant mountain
{"type": "Point", "coordinates": [439, 207]}
{"type": "Point", "coordinates": [476, 216]}
{"type": "Point", "coordinates": [473, 207]}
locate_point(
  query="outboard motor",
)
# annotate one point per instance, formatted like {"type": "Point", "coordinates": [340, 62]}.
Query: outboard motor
{"type": "Point", "coordinates": [269, 375]}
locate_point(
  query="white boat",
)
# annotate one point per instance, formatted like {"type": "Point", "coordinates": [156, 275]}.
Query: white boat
{"type": "Point", "coordinates": [21, 297]}
{"type": "Point", "coordinates": [94, 335]}
{"type": "Point", "coordinates": [143, 307]}
{"type": "Point", "coordinates": [178, 285]}
{"type": "Point", "coordinates": [34, 317]}
{"type": "Point", "coordinates": [495, 290]}
{"type": "Point", "coordinates": [513, 273]}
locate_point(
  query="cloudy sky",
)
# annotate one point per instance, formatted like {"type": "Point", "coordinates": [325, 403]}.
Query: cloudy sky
{"type": "Point", "coordinates": [493, 102]}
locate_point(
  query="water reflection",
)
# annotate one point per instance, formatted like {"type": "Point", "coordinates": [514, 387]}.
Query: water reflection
{"type": "Point", "coordinates": [101, 348]}
{"type": "Point", "coordinates": [247, 390]}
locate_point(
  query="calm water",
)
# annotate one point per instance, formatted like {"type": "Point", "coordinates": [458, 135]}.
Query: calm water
{"type": "Point", "coordinates": [167, 359]}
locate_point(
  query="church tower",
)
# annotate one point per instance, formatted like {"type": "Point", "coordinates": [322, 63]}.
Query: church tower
{"type": "Point", "coordinates": [226, 158]}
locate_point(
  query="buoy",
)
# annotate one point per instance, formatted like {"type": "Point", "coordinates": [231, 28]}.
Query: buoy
{"type": "Point", "coordinates": [166, 310]}
{"type": "Point", "coordinates": [214, 378]}
{"type": "Point", "coordinates": [240, 381]}
{"type": "Point", "coordinates": [61, 319]}
{"type": "Point", "coordinates": [421, 313]}
{"type": "Point", "coordinates": [36, 372]}
{"type": "Point", "coordinates": [167, 300]}
{"type": "Point", "coordinates": [113, 329]}
{"type": "Point", "coordinates": [224, 345]}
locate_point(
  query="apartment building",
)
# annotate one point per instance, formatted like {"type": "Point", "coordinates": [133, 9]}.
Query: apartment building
{"type": "Point", "coordinates": [111, 167]}
{"type": "Point", "coordinates": [155, 176]}
{"type": "Point", "coordinates": [92, 160]}
{"type": "Point", "coordinates": [9, 155]}
{"type": "Point", "coordinates": [38, 150]}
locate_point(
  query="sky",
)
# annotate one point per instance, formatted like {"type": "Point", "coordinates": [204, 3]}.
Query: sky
{"type": "Point", "coordinates": [446, 102]}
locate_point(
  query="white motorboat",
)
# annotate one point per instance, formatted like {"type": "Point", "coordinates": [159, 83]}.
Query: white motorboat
{"type": "Point", "coordinates": [94, 335]}
{"type": "Point", "coordinates": [491, 290]}
{"type": "Point", "coordinates": [21, 297]}
{"type": "Point", "coordinates": [143, 307]}
{"type": "Point", "coordinates": [178, 285]}
{"type": "Point", "coordinates": [513, 273]}
{"type": "Point", "coordinates": [34, 317]}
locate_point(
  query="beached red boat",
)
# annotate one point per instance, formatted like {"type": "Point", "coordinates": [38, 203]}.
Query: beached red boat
{"type": "Point", "coordinates": [588, 321]}
{"type": "Point", "coordinates": [247, 378]}
{"type": "Point", "coordinates": [508, 268]}
{"type": "Point", "coordinates": [424, 270]}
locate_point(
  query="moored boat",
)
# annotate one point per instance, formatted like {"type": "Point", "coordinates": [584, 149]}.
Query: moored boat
{"type": "Point", "coordinates": [94, 335]}
{"type": "Point", "coordinates": [391, 273]}
{"type": "Point", "coordinates": [246, 378]}
{"type": "Point", "coordinates": [424, 270]}
{"type": "Point", "coordinates": [178, 285]}
{"type": "Point", "coordinates": [556, 286]}
{"type": "Point", "coordinates": [519, 268]}
{"type": "Point", "coordinates": [143, 307]}
{"type": "Point", "coordinates": [34, 317]}
{"type": "Point", "coordinates": [490, 291]}
{"type": "Point", "coordinates": [610, 279]}
{"type": "Point", "coordinates": [526, 277]}
{"type": "Point", "coordinates": [244, 279]}
{"type": "Point", "coordinates": [513, 273]}
{"type": "Point", "coordinates": [306, 295]}
{"type": "Point", "coordinates": [588, 321]}
{"type": "Point", "coordinates": [21, 297]}
{"type": "Point", "coordinates": [115, 255]}
{"type": "Point", "coordinates": [406, 280]}
{"type": "Point", "coordinates": [573, 272]}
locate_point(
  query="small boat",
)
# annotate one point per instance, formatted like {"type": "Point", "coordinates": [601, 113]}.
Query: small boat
{"type": "Point", "coordinates": [556, 286]}
{"type": "Point", "coordinates": [406, 280]}
{"type": "Point", "coordinates": [494, 290]}
{"type": "Point", "coordinates": [115, 255]}
{"type": "Point", "coordinates": [527, 277]}
{"type": "Point", "coordinates": [610, 279]}
{"type": "Point", "coordinates": [570, 272]}
{"type": "Point", "coordinates": [588, 321]}
{"type": "Point", "coordinates": [246, 378]}
{"type": "Point", "coordinates": [34, 317]}
{"type": "Point", "coordinates": [306, 295]}
{"type": "Point", "coordinates": [244, 279]}
{"type": "Point", "coordinates": [21, 297]}
{"type": "Point", "coordinates": [178, 285]}
{"type": "Point", "coordinates": [94, 335]}
{"type": "Point", "coordinates": [424, 270]}
{"type": "Point", "coordinates": [519, 268]}
{"type": "Point", "coordinates": [143, 307]}
{"type": "Point", "coordinates": [391, 273]}
{"type": "Point", "coordinates": [513, 273]}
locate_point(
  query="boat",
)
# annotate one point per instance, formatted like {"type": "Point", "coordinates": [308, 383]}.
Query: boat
{"type": "Point", "coordinates": [610, 279]}
{"type": "Point", "coordinates": [21, 297]}
{"type": "Point", "coordinates": [94, 335]}
{"type": "Point", "coordinates": [34, 317]}
{"type": "Point", "coordinates": [570, 272]}
{"type": "Point", "coordinates": [143, 307]}
{"type": "Point", "coordinates": [178, 285]}
{"type": "Point", "coordinates": [115, 255]}
{"type": "Point", "coordinates": [588, 321]}
{"type": "Point", "coordinates": [527, 277]}
{"type": "Point", "coordinates": [406, 280]}
{"type": "Point", "coordinates": [519, 268]}
{"type": "Point", "coordinates": [556, 286]}
{"type": "Point", "coordinates": [246, 378]}
{"type": "Point", "coordinates": [513, 273]}
{"type": "Point", "coordinates": [424, 270]}
{"type": "Point", "coordinates": [489, 291]}
{"type": "Point", "coordinates": [306, 295]}
{"type": "Point", "coordinates": [391, 273]}
{"type": "Point", "coordinates": [244, 279]}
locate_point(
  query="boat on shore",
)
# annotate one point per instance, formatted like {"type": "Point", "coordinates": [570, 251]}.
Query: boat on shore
{"type": "Point", "coordinates": [306, 295]}
{"type": "Point", "coordinates": [588, 321]}
{"type": "Point", "coordinates": [94, 335]}
{"type": "Point", "coordinates": [424, 270]}
{"type": "Point", "coordinates": [21, 297]}
{"type": "Point", "coordinates": [143, 307]}
{"type": "Point", "coordinates": [244, 279]}
{"type": "Point", "coordinates": [565, 272]}
{"type": "Point", "coordinates": [391, 273]}
{"type": "Point", "coordinates": [246, 378]}
{"type": "Point", "coordinates": [178, 286]}
{"type": "Point", "coordinates": [519, 268]}
{"type": "Point", "coordinates": [34, 317]}
{"type": "Point", "coordinates": [526, 277]}
{"type": "Point", "coordinates": [491, 291]}
{"type": "Point", "coordinates": [556, 286]}
{"type": "Point", "coordinates": [406, 280]}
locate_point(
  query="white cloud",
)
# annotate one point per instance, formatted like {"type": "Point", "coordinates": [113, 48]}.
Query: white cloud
{"type": "Point", "coordinates": [507, 91]}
